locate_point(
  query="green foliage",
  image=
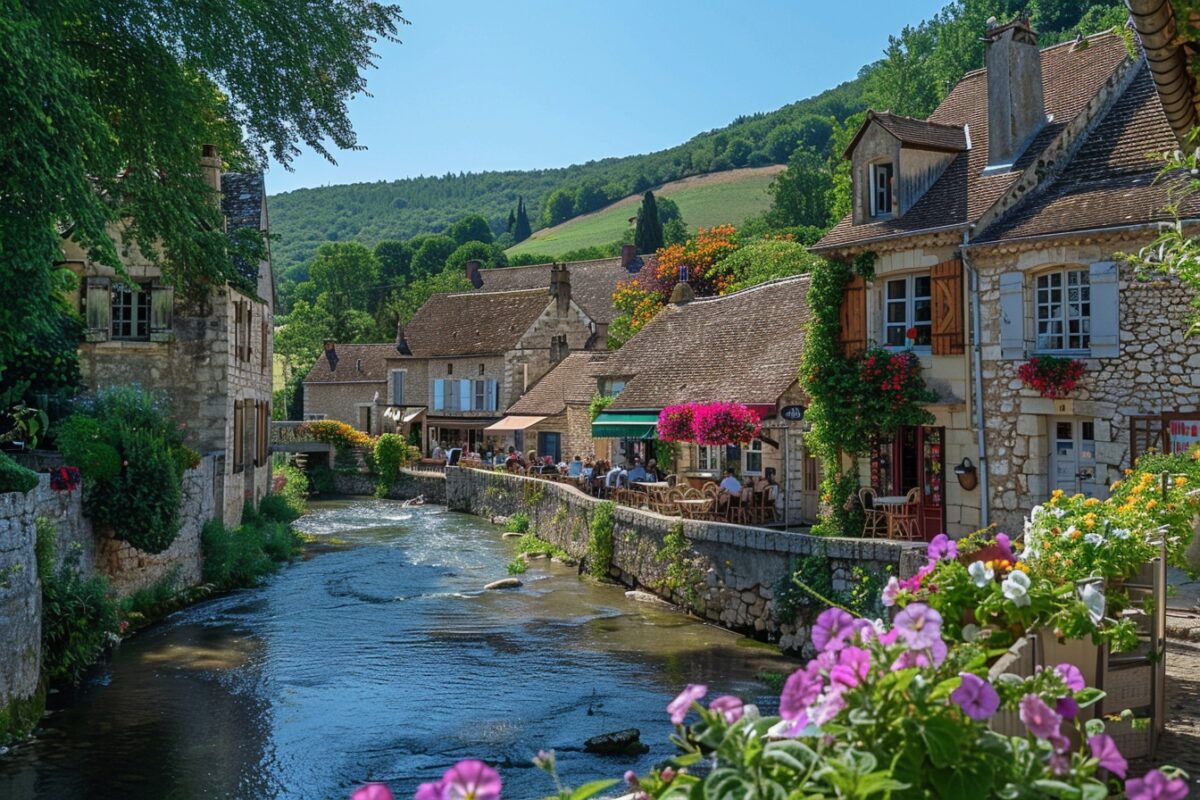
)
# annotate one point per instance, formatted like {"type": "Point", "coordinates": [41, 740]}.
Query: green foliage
{"type": "Point", "coordinates": [471, 228]}
{"type": "Point", "coordinates": [395, 260]}
{"type": "Point", "coordinates": [277, 508]}
{"type": "Point", "coordinates": [767, 260]}
{"type": "Point", "coordinates": [600, 540]}
{"type": "Point", "coordinates": [560, 207]}
{"type": "Point", "coordinates": [291, 484]}
{"type": "Point", "coordinates": [391, 453]}
{"type": "Point", "coordinates": [320, 476]}
{"type": "Point", "coordinates": [648, 235]}
{"type": "Point", "coordinates": [21, 715]}
{"type": "Point", "coordinates": [140, 499]}
{"type": "Point", "coordinates": [598, 403]}
{"type": "Point", "coordinates": [488, 255]}
{"type": "Point", "coordinates": [517, 523]}
{"type": "Point", "coordinates": [521, 230]}
{"type": "Point", "coordinates": [808, 590]}
{"type": "Point", "coordinates": [800, 194]}
{"type": "Point", "coordinates": [517, 566]}
{"type": "Point", "coordinates": [404, 305]}
{"type": "Point", "coordinates": [153, 602]}
{"type": "Point", "coordinates": [14, 477]}
{"type": "Point", "coordinates": [300, 338]}
{"type": "Point", "coordinates": [344, 278]}
{"type": "Point", "coordinates": [683, 576]}
{"type": "Point", "coordinates": [240, 557]}
{"type": "Point", "coordinates": [430, 257]}
{"type": "Point", "coordinates": [530, 544]}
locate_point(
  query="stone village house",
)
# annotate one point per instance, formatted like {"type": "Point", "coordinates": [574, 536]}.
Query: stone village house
{"type": "Point", "coordinates": [994, 225]}
{"type": "Point", "coordinates": [211, 358]}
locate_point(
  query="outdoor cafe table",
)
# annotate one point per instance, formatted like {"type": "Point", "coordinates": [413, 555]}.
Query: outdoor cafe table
{"type": "Point", "coordinates": [890, 504]}
{"type": "Point", "coordinates": [652, 484]}
{"type": "Point", "coordinates": [693, 509]}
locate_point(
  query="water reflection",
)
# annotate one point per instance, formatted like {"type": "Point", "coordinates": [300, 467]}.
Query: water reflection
{"type": "Point", "coordinates": [382, 658]}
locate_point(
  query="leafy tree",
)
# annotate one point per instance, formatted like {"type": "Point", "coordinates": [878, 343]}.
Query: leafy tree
{"type": "Point", "coordinates": [904, 81]}
{"type": "Point", "coordinates": [590, 196]}
{"type": "Point", "coordinates": [512, 221]}
{"type": "Point", "coordinates": [521, 230]}
{"type": "Point", "coordinates": [668, 210]}
{"type": "Point", "coordinates": [800, 193]}
{"type": "Point", "coordinates": [739, 151]}
{"type": "Point", "coordinates": [648, 235]}
{"type": "Point", "coordinates": [471, 228]}
{"type": "Point", "coordinates": [404, 305]}
{"type": "Point", "coordinates": [840, 192]}
{"type": "Point", "coordinates": [430, 257]}
{"type": "Point", "coordinates": [781, 142]}
{"type": "Point", "coordinates": [488, 255]}
{"type": "Point", "coordinates": [345, 276]}
{"type": "Point", "coordinates": [674, 232]}
{"type": "Point", "coordinates": [560, 206]}
{"type": "Point", "coordinates": [395, 260]}
{"type": "Point", "coordinates": [767, 260]}
{"type": "Point", "coordinates": [301, 336]}
{"type": "Point", "coordinates": [108, 102]}
{"type": "Point", "coordinates": [815, 132]}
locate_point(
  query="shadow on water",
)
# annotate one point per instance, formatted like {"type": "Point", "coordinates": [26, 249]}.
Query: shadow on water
{"type": "Point", "coordinates": [379, 659]}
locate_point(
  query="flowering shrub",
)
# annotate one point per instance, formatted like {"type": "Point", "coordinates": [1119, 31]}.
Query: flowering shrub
{"type": "Point", "coordinates": [725, 423]}
{"type": "Point", "coordinates": [1051, 376]}
{"type": "Point", "coordinates": [64, 479]}
{"type": "Point", "coordinates": [330, 431]}
{"type": "Point", "coordinates": [894, 378]}
{"type": "Point", "coordinates": [1140, 500]}
{"type": "Point", "coordinates": [676, 423]}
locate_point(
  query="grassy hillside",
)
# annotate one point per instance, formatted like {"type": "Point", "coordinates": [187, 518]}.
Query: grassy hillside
{"type": "Point", "coordinates": [704, 200]}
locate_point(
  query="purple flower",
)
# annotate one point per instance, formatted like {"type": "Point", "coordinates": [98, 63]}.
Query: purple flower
{"type": "Point", "coordinates": [375, 791]}
{"type": "Point", "coordinates": [920, 626]}
{"type": "Point", "coordinates": [827, 706]}
{"type": "Point", "coordinates": [678, 708]}
{"type": "Point", "coordinates": [1104, 750]}
{"type": "Point", "coordinates": [1041, 720]}
{"type": "Point", "coordinates": [728, 706]}
{"type": "Point", "coordinates": [853, 665]}
{"type": "Point", "coordinates": [976, 697]}
{"type": "Point", "coordinates": [890, 591]}
{"type": "Point", "coordinates": [471, 780]}
{"type": "Point", "coordinates": [942, 548]}
{"type": "Point", "coordinates": [1154, 785]}
{"type": "Point", "coordinates": [1059, 764]}
{"type": "Point", "coordinates": [426, 791]}
{"type": "Point", "coordinates": [831, 629]}
{"type": "Point", "coordinates": [1072, 677]}
{"type": "Point", "coordinates": [1005, 545]}
{"type": "Point", "coordinates": [631, 779]}
{"type": "Point", "coordinates": [1067, 707]}
{"type": "Point", "coordinates": [933, 657]}
{"type": "Point", "coordinates": [799, 692]}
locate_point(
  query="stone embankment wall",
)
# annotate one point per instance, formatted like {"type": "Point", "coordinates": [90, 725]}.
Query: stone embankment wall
{"type": "Point", "coordinates": [732, 571]}
{"type": "Point", "coordinates": [92, 552]}
{"type": "Point", "coordinates": [410, 484]}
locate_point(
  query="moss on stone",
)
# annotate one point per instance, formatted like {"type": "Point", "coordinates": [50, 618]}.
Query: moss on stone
{"type": "Point", "coordinates": [22, 715]}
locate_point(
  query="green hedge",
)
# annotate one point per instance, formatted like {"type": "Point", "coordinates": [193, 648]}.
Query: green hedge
{"type": "Point", "coordinates": [14, 477]}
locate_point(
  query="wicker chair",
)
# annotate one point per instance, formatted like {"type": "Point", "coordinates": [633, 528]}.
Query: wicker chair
{"type": "Point", "coordinates": [874, 521]}
{"type": "Point", "coordinates": [764, 506]}
{"type": "Point", "coordinates": [906, 522]}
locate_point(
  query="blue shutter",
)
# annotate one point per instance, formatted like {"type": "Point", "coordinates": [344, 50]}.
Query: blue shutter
{"type": "Point", "coordinates": [493, 395]}
{"type": "Point", "coordinates": [398, 388]}
{"type": "Point", "coordinates": [439, 394]}
{"type": "Point", "coordinates": [1012, 315]}
{"type": "Point", "coordinates": [1104, 279]}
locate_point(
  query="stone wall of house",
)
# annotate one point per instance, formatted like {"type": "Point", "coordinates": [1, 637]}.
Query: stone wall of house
{"type": "Point", "coordinates": [733, 570]}
{"type": "Point", "coordinates": [340, 401]}
{"type": "Point", "coordinates": [1158, 370]}
{"type": "Point", "coordinates": [410, 484]}
{"type": "Point", "coordinates": [249, 380]}
{"type": "Point", "coordinates": [530, 359]}
{"type": "Point", "coordinates": [20, 607]}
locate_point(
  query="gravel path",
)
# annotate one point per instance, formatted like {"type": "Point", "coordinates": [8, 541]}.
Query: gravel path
{"type": "Point", "coordinates": [1180, 744]}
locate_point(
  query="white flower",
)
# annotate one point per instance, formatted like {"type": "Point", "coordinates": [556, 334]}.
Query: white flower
{"type": "Point", "coordinates": [981, 573]}
{"type": "Point", "coordinates": [970, 632]}
{"type": "Point", "coordinates": [1093, 539]}
{"type": "Point", "coordinates": [1059, 513]}
{"type": "Point", "coordinates": [1093, 599]}
{"type": "Point", "coordinates": [1016, 588]}
{"type": "Point", "coordinates": [1121, 533]}
{"type": "Point", "coordinates": [1035, 513]}
{"type": "Point", "coordinates": [1070, 531]}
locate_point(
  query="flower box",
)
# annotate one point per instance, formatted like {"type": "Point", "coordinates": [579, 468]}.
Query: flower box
{"type": "Point", "coordinates": [1019, 661]}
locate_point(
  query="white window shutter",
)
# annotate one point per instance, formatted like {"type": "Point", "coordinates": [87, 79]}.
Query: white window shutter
{"type": "Point", "coordinates": [162, 313]}
{"type": "Point", "coordinates": [1104, 278]}
{"type": "Point", "coordinates": [98, 299]}
{"type": "Point", "coordinates": [1012, 315]}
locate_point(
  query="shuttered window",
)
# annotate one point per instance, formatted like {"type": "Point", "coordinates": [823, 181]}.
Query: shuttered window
{"type": "Point", "coordinates": [262, 422]}
{"type": "Point", "coordinates": [262, 346]}
{"type": "Point", "coordinates": [1063, 310]}
{"type": "Point", "coordinates": [398, 378]}
{"type": "Point", "coordinates": [907, 312]}
{"type": "Point", "coordinates": [239, 433]}
{"type": "Point", "coordinates": [97, 308]}
{"type": "Point", "coordinates": [130, 312]}
{"type": "Point", "coordinates": [162, 313]}
{"type": "Point", "coordinates": [853, 317]}
{"type": "Point", "coordinates": [949, 330]}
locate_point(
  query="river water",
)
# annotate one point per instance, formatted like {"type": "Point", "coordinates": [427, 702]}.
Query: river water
{"type": "Point", "coordinates": [382, 658]}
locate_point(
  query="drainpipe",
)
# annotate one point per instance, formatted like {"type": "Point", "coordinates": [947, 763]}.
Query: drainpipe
{"type": "Point", "coordinates": [976, 338]}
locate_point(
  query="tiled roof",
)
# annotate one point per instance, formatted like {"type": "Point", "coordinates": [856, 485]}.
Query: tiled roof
{"type": "Point", "coordinates": [242, 196]}
{"type": "Point", "coordinates": [1111, 180]}
{"type": "Point", "coordinates": [744, 347]}
{"type": "Point", "coordinates": [1071, 76]}
{"type": "Point", "coordinates": [471, 323]}
{"type": "Point", "coordinates": [592, 282]}
{"type": "Point", "coordinates": [572, 380]}
{"type": "Point", "coordinates": [356, 362]}
{"type": "Point", "coordinates": [919, 133]}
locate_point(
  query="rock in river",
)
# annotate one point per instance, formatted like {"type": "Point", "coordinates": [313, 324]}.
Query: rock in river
{"type": "Point", "coordinates": [618, 743]}
{"type": "Point", "coordinates": [645, 597]}
{"type": "Point", "coordinates": [504, 583]}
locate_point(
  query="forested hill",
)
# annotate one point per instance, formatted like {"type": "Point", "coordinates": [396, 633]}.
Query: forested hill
{"type": "Point", "coordinates": [372, 212]}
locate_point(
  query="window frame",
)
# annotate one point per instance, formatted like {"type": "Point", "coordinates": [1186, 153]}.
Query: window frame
{"type": "Point", "coordinates": [875, 186]}
{"type": "Point", "coordinates": [910, 300]}
{"type": "Point", "coordinates": [397, 401]}
{"type": "Point", "coordinates": [1063, 318]}
{"type": "Point", "coordinates": [750, 451]}
{"type": "Point", "coordinates": [139, 311]}
{"type": "Point", "coordinates": [708, 457]}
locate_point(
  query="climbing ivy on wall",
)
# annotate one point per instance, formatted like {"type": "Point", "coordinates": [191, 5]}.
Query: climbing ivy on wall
{"type": "Point", "coordinates": [600, 542]}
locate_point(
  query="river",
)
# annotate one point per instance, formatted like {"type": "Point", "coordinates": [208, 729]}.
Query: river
{"type": "Point", "coordinates": [379, 656]}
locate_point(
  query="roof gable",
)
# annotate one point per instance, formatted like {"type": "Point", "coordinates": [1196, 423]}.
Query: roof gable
{"type": "Point", "coordinates": [571, 381]}
{"type": "Point", "coordinates": [592, 282]}
{"type": "Point", "coordinates": [472, 323]}
{"type": "Point", "coordinates": [356, 363]}
{"type": "Point", "coordinates": [915, 133]}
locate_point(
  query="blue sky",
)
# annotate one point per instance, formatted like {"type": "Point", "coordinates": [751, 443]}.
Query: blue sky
{"type": "Point", "coordinates": [527, 84]}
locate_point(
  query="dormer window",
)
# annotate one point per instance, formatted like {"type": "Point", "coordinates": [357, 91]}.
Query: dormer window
{"type": "Point", "coordinates": [881, 189]}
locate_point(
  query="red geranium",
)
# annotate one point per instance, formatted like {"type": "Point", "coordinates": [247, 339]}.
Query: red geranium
{"type": "Point", "coordinates": [1050, 376]}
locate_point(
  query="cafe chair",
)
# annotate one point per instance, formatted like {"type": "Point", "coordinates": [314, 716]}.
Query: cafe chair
{"type": "Point", "coordinates": [905, 522]}
{"type": "Point", "coordinates": [875, 521]}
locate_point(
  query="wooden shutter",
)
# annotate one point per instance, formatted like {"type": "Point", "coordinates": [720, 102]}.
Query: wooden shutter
{"type": "Point", "coordinates": [1103, 279]}
{"type": "Point", "coordinates": [162, 313]}
{"type": "Point", "coordinates": [261, 422]}
{"type": "Point", "coordinates": [237, 329]}
{"type": "Point", "coordinates": [239, 408]}
{"type": "Point", "coordinates": [263, 348]}
{"type": "Point", "coordinates": [1012, 315]}
{"type": "Point", "coordinates": [249, 328]}
{"type": "Point", "coordinates": [98, 307]}
{"type": "Point", "coordinates": [853, 317]}
{"type": "Point", "coordinates": [946, 281]}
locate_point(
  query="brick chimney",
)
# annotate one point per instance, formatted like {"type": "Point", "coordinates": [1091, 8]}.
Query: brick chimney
{"type": "Point", "coordinates": [560, 287]}
{"type": "Point", "coordinates": [210, 168]}
{"type": "Point", "coordinates": [1016, 108]}
{"type": "Point", "coordinates": [473, 274]}
{"type": "Point", "coordinates": [628, 254]}
{"type": "Point", "coordinates": [401, 343]}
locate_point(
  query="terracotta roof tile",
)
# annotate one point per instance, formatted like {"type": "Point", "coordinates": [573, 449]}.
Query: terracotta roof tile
{"type": "Point", "coordinates": [592, 282]}
{"type": "Point", "coordinates": [571, 381]}
{"type": "Point", "coordinates": [1071, 76]}
{"type": "Point", "coordinates": [471, 323]}
{"type": "Point", "coordinates": [356, 363]}
{"type": "Point", "coordinates": [744, 346]}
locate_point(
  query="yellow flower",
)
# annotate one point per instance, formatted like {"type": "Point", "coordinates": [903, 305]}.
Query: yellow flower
{"type": "Point", "coordinates": [1116, 485]}
{"type": "Point", "coordinates": [1128, 471]}
{"type": "Point", "coordinates": [1151, 504]}
{"type": "Point", "coordinates": [1091, 501]}
{"type": "Point", "coordinates": [1057, 493]}
{"type": "Point", "coordinates": [1181, 481]}
{"type": "Point", "coordinates": [1021, 566]}
{"type": "Point", "coordinates": [1089, 520]}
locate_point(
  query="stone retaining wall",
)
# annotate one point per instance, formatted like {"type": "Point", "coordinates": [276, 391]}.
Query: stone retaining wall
{"type": "Point", "coordinates": [731, 571]}
{"type": "Point", "coordinates": [410, 484]}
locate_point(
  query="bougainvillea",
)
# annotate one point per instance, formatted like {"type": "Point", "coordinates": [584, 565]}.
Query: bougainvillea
{"type": "Point", "coordinates": [676, 423]}
{"type": "Point", "coordinates": [725, 423]}
{"type": "Point", "coordinates": [1050, 376]}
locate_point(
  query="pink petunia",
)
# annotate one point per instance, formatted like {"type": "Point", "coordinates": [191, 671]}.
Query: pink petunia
{"type": "Point", "coordinates": [1041, 720]}
{"type": "Point", "coordinates": [853, 665]}
{"type": "Point", "coordinates": [472, 780]}
{"type": "Point", "coordinates": [373, 791]}
{"type": "Point", "coordinates": [1155, 785]}
{"type": "Point", "coordinates": [678, 708]}
{"type": "Point", "coordinates": [1072, 677]}
{"type": "Point", "coordinates": [919, 625]}
{"type": "Point", "coordinates": [976, 697]}
{"type": "Point", "coordinates": [728, 706]}
{"type": "Point", "coordinates": [832, 627]}
{"type": "Point", "coordinates": [426, 791]}
{"type": "Point", "coordinates": [1104, 750]}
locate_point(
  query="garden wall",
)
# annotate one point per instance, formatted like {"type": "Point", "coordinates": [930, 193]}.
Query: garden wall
{"type": "Point", "coordinates": [410, 484]}
{"type": "Point", "coordinates": [729, 573]}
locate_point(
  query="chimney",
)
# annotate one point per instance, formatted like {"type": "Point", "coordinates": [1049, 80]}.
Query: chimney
{"type": "Point", "coordinates": [599, 338]}
{"type": "Point", "coordinates": [401, 343]}
{"type": "Point", "coordinates": [210, 167]}
{"type": "Point", "coordinates": [1016, 109]}
{"type": "Point", "coordinates": [560, 287]}
{"type": "Point", "coordinates": [682, 294]}
{"type": "Point", "coordinates": [628, 254]}
{"type": "Point", "coordinates": [473, 274]}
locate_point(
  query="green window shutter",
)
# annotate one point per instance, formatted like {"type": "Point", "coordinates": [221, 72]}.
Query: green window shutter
{"type": "Point", "coordinates": [98, 307]}
{"type": "Point", "coordinates": [162, 313]}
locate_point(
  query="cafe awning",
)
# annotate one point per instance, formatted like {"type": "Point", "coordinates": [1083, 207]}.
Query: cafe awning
{"type": "Point", "coordinates": [625, 425]}
{"type": "Point", "coordinates": [403, 414]}
{"type": "Point", "coordinates": [513, 423]}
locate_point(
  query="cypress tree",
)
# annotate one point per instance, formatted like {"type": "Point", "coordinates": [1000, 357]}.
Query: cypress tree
{"type": "Point", "coordinates": [521, 229]}
{"type": "Point", "coordinates": [648, 235]}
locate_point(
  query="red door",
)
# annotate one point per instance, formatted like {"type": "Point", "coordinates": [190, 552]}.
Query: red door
{"type": "Point", "coordinates": [914, 457]}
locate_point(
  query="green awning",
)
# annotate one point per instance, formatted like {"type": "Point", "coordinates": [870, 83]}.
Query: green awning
{"type": "Point", "coordinates": [625, 425]}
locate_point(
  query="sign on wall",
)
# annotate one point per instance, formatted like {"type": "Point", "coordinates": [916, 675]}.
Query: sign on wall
{"type": "Point", "coordinates": [792, 413]}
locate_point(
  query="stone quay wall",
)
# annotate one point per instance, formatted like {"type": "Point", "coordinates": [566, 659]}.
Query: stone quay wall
{"type": "Point", "coordinates": [410, 484]}
{"type": "Point", "coordinates": [732, 571]}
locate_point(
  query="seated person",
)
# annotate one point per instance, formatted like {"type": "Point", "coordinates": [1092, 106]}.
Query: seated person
{"type": "Point", "coordinates": [575, 469]}
{"type": "Point", "coordinates": [638, 472]}
{"type": "Point", "coordinates": [439, 451]}
{"type": "Point", "coordinates": [653, 473]}
{"type": "Point", "coordinates": [730, 485]}
{"type": "Point", "coordinates": [615, 477]}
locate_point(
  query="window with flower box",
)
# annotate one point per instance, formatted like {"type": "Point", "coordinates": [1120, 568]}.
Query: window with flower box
{"type": "Point", "coordinates": [908, 311]}
{"type": "Point", "coordinates": [1063, 310]}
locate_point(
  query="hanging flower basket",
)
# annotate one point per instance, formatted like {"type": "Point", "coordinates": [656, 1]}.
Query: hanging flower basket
{"type": "Point", "coordinates": [675, 423]}
{"type": "Point", "coordinates": [1050, 376]}
{"type": "Point", "coordinates": [725, 423]}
